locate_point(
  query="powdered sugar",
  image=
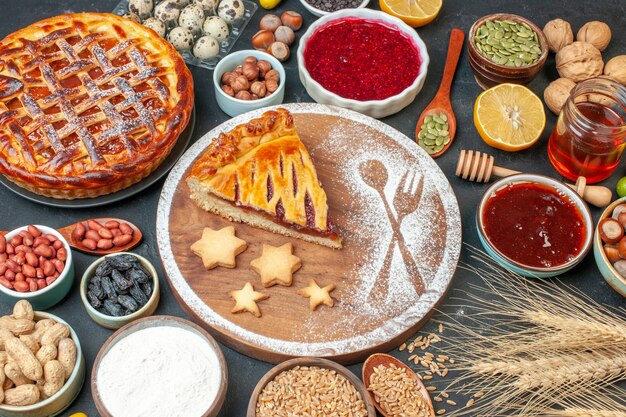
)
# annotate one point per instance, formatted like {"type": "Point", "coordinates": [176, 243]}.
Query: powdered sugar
{"type": "Point", "coordinates": [370, 225]}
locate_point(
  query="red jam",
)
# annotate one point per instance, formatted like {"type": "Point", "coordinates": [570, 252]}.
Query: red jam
{"type": "Point", "coordinates": [534, 225]}
{"type": "Point", "coordinates": [362, 59]}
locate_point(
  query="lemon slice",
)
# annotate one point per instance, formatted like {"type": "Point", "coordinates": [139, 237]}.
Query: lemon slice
{"type": "Point", "coordinates": [414, 13]}
{"type": "Point", "coordinates": [509, 117]}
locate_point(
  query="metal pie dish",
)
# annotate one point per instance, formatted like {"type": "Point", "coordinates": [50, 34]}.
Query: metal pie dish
{"type": "Point", "coordinates": [115, 322]}
{"type": "Point", "coordinates": [608, 271]}
{"type": "Point", "coordinates": [372, 108]}
{"type": "Point", "coordinates": [518, 267]}
{"type": "Point", "coordinates": [320, 12]}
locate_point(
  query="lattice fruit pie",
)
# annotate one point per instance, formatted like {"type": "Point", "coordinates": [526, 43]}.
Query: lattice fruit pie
{"type": "Point", "coordinates": [89, 104]}
{"type": "Point", "coordinates": [263, 165]}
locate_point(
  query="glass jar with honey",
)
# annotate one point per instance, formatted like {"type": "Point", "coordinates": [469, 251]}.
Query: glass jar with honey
{"type": "Point", "coordinates": [590, 133]}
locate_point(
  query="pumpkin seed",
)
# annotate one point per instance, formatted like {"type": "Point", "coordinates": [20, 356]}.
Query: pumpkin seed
{"type": "Point", "coordinates": [434, 133]}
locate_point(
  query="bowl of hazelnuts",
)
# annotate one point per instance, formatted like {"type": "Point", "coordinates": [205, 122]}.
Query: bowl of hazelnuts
{"type": "Point", "coordinates": [248, 80]}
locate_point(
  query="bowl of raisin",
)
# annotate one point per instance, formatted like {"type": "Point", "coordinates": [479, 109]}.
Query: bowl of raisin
{"type": "Point", "coordinates": [117, 289]}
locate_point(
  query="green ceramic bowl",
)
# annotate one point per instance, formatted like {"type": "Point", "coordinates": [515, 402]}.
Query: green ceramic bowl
{"type": "Point", "coordinates": [52, 294]}
{"type": "Point", "coordinates": [111, 322]}
{"type": "Point", "coordinates": [615, 280]}
{"type": "Point", "coordinates": [56, 404]}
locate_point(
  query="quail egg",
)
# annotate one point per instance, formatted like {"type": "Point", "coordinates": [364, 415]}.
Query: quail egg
{"type": "Point", "coordinates": [180, 38]}
{"type": "Point", "coordinates": [132, 16]}
{"type": "Point", "coordinates": [206, 47]}
{"type": "Point", "coordinates": [216, 27]}
{"type": "Point", "coordinates": [209, 6]}
{"type": "Point", "coordinates": [142, 8]}
{"type": "Point", "coordinates": [231, 10]}
{"type": "Point", "coordinates": [191, 17]}
{"type": "Point", "coordinates": [181, 3]}
{"type": "Point", "coordinates": [156, 25]}
{"type": "Point", "coordinates": [167, 12]}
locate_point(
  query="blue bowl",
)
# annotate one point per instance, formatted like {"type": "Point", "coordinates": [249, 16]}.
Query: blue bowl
{"type": "Point", "coordinates": [517, 267]}
{"type": "Point", "coordinates": [614, 278]}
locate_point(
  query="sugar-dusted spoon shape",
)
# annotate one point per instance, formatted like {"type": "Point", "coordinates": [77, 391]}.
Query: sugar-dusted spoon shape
{"type": "Point", "coordinates": [441, 103]}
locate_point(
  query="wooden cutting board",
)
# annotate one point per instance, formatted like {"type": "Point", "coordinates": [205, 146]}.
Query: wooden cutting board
{"type": "Point", "coordinates": [379, 300]}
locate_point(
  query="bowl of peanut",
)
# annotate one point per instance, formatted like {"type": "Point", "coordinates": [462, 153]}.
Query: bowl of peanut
{"type": "Point", "coordinates": [43, 368]}
{"type": "Point", "coordinates": [36, 265]}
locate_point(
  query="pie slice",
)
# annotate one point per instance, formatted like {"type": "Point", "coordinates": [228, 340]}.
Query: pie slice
{"type": "Point", "coordinates": [261, 174]}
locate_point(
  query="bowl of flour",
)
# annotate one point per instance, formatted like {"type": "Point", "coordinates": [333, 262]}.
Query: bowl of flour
{"type": "Point", "coordinates": [159, 366]}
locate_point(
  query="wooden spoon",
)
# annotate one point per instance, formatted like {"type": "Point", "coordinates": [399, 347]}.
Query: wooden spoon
{"type": "Point", "coordinates": [67, 234]}
{"type": "Point", "coordinates": [378, 359]}
{"type": "Point", "coordinates": [441, 103]}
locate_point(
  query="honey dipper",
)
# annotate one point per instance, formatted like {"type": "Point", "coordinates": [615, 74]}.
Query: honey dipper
{"type": "Point", "coordinates": [479, 167]}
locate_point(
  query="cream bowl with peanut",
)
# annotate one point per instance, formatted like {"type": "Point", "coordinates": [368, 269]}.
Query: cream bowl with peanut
{"type": "Point", "coordinates": [248, 80]}
{"type": "Point", "coordinates": [43, 368]}
{"type": "Point", "coordinates": [36, 264]}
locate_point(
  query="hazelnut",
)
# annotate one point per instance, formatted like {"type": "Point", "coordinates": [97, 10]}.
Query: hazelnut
{"type": "Point", "coordinates": [243, 95]}
{"type": "Point", "coordinates": [557, 93]}
{"type": "Point", "coordinates": [270, 22]}
{"type": "Point", "coordinates": [264, 67]}
{"type": "Point", "coordinates": [250, 71]}
{"type": "Point", "coordinates": [228, 90]}
{"type": "Point", "coordinates": [262, 39]}
{"type": "Point", "coordinates": [238, 70]}
{"type": "Point", "coordinates": [272, 75]}
{"type": "Point", "coordinates": [258, 88]}
{"type": "Point", "coordinates": [558, 34]}
{"type": "Point", "coordinates": [227, 77]}
{"type": "Point", "coordinates": [240, 83]}
{"type": "Point", "coordinates": [616, 69]}
{"type": "Point", "coordinates": [292, 20]}
{"type": "Point", "coordinates": [579, 61]}
{"type": "Point", "coordinates": [271, 85]}
{"type": "Point", "coordinates": [280, 50]}
{"type": "Point", "coordinates": [250, 59]}
{"type": "Point", "coordinates": [255, 97]}
{"type": "Point", "coordinates": [596, 33]}
{"type": "Point", "coordinates": [285, 35]}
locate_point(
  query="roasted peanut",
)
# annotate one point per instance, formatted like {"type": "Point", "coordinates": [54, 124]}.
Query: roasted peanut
{"type": "Point", "coordinates": [14, 373]}
{"type": "Point", "coordinates": [54, 374]}
{"type": "Point", "coordinates": [40, 328]}
{"type": "Point", "coordinates": [22, 395]}
{"type": "Point", "coordinates": [23, 310]}
{"type": "Point", "coordinates": [67, 355]}
{"type": "Point", "coordinates": [4, 358]}
{"type": "Point", "coordinates": [24, 357]}
{"type": "Point", "coordinates": [4, 335]}
{"type": "Point", "coordinates": [2, 378]}
{"type": "Point", "coordinates": [8, 384]}
{"type": "Point", "coordinates": [17, 326]}
{"type": "Point", "coordinates": [31, 342]}
{"type": "Point", "coordinates": [54, 334]}
{"type": "Point", "coordinates": [46, 353]}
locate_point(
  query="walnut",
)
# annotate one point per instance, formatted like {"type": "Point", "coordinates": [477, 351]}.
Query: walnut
{"type": "Point", "coordinates": [579, 61]}
{"type": "Point", "coordinates": [557, 93]}
{"type": "Point", "coordinates": [558, 34]}
{"type": "Point", "coordinates": [616, 69]}
{"type": "Point", "coordinates": [596, 33]}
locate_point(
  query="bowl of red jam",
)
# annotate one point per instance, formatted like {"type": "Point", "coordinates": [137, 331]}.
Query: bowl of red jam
{"type": "Point", "coordinates": [534, 225]}
{"type": "Point", "coordinates": [364, 60]}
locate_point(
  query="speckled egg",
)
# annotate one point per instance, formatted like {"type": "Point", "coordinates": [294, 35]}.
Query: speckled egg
{"type": "Point", "coordinates": [206, 47]}
{"type": "Point", "coordinates": [156, 25]}
{"type": "Point", "coordinates": [216, 27]}
{"type": "Point", "coordinates": [209, 6]}
{"type": "Point", "coordinates": [180, 38]}
{"type": "Point", "coordinates": [132, 16]}
{"type": "Point", "coordinates": [231, 10]}
{"type": "Point", "coordinates": [192, 17]}
{"type": "Point", "coordinates": [142, 8]}
{"type": "Point", "coordinates": [181, 3]}
{"type": "Point", "coordinates": [167, 12]}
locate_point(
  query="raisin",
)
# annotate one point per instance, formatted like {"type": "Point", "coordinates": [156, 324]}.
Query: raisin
{"type": "Point", "coordinates": [97, 291]}
{"type": "Point", "coordinates": [122, 262]}
{"type": "Point", "coordinates": [96, 280]}
{"type": "Point", "coordinates": [128, 302]}
{"type": "Point", "coordinates": [107, 286]}
{"type": "Point", "coordinates": [119, 281]}
{"type": "Point", "coordinates": [113, 308]}
{"type": "Point", "coordinates": [137, 275]}
{"type": "Point", "coordinates": [104, 268]}
{"type": "Point", "coordinates": [138, 295]}
{"type": "Point", "coordinates": [146, 288]}
{"type": "Point", "coordinates": [94, 300]}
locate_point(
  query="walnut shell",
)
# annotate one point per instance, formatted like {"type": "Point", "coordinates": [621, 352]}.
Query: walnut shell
{"type": "Point", "coordinates": [558, 34]}
{"type": "Point", "coordinates": [579, 61]}
{"type": "Point", "coordinates": [596, 33]}
{"type": "Point", "coordinates": [616, 69]}
{"type": "Point", "coordinates": [557, 93]}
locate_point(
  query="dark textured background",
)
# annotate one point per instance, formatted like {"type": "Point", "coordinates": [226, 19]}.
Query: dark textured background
{"type": "Point", "coordinates": [141, 209]}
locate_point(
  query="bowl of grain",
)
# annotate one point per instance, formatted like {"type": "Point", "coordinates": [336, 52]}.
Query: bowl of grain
{"type": "Point", "coordinates": [159, 366]}
{"type": "Point", "coordinates": [288, 389]}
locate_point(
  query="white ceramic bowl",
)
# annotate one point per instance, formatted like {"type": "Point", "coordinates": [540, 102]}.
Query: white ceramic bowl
{"type": "Point", "coordinates": [373, 108]}
{"type": "Point", "coordinates": [53, 293]}
{"type": "Point", "coordinates": [54, 405]}
{"type": "Point", "coordinates": [233, 106]}
{"type": "Point", "coordinates": [318, 12]}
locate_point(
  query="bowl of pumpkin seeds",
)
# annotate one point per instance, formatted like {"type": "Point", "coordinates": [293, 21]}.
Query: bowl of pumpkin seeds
{"type": "Point", "coordinates": [506, 48]}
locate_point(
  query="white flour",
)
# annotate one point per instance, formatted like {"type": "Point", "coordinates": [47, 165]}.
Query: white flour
{"type": "Point", "coordinates": [159, 371]}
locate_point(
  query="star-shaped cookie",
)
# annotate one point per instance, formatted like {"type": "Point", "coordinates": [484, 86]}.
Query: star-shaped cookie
{"type": "Point", "coordinates": [318, 295]}
{"type": "Point", "coordinates": [276, 265]}
{"type": "Point", "coordinates": [246, 298]}
{"type": "Point", "coordinates": [219, 247]}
